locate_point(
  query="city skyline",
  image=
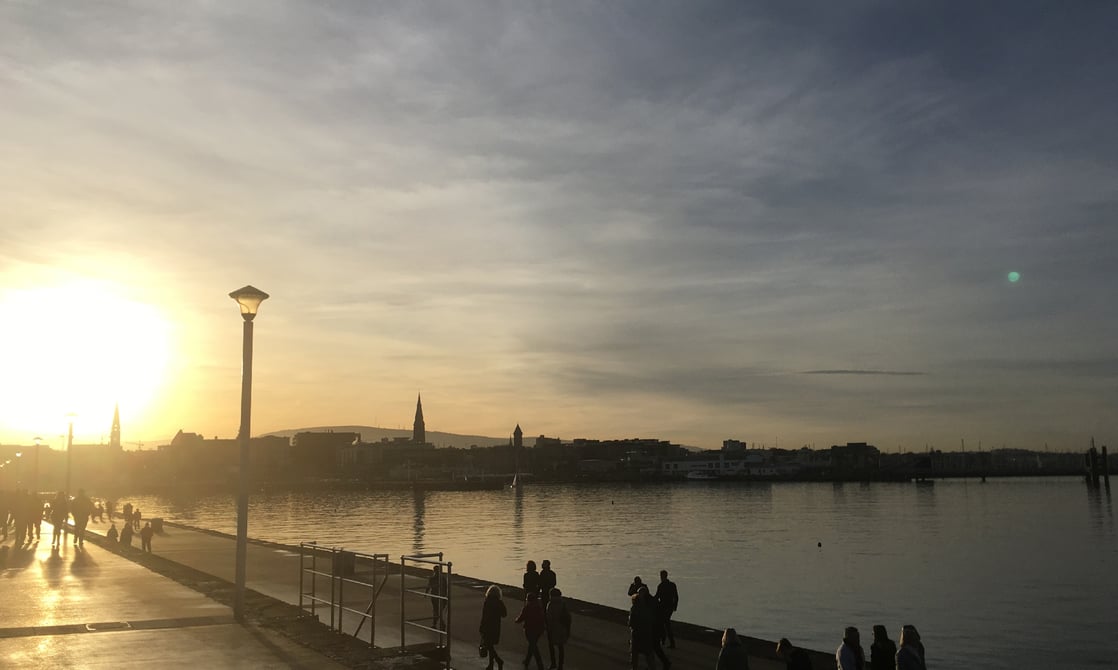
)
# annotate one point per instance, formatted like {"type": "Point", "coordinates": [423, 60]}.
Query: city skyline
{"type": "Point", "coordinates": [695, 222]}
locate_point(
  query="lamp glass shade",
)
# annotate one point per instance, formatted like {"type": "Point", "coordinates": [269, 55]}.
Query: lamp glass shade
{"type": "Point", "coordinates": [249, 298]}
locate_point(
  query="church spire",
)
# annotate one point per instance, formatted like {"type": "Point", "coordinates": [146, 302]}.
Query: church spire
{"type": "Point", "coordinates": [419, 429]}
{"type": "Point", "coordinates": [518, 437]}
{"type": "Point", "coordinates": [114, 434]}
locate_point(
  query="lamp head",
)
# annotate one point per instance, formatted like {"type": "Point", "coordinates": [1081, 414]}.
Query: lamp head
{"type": "Point", "coordinates": [249, 298]}
{"type": "Point", "coordinates": [38, 440]}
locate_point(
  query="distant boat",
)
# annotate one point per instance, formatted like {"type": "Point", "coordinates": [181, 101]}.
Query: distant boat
{"type": "Point", "coordinates": [702, 476]}
{"type": "Point", "coordinates": [516, 483]}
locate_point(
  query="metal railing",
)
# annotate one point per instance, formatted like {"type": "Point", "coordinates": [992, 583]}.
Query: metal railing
{"type": "Point", "coordinates": [439, 596]}
{"type": "Point", "coordinates": [365, 572]}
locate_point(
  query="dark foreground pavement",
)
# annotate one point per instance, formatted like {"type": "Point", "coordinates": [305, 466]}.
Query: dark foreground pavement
{"type": "Point", "coordinates": [599, 634]}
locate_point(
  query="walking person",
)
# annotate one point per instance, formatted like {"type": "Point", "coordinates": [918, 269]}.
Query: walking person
{"type": "Point", "coordinates": [547, 582]}
{"type": "Point", "coordinates": [145, 537]}
{"type": "Point", "coordinates": [732, 655]}
{"type": "Point", "coordinates": [532, 618]}
{"type": "Point", "coordinates": [492, 611]}
{"type": "Point", "coordinates": [558, 618]}
{"type": "Point", "coordinates": [437, 588]}
{"type": "Point", "coordinates": [667, 598]}
{"type": "Point", "coordinates": [883, 651]}
{"type": "Point", "coordinates": [531, 579]}
{"type": "Point", "coordinates": [644, 630]}
{"type": "Point", "coordinates": [59, 512]}
{"type": "Point", "coordinates": [849, 655]}
{"type": "Point", "coordinates": [80, 509]}
{"type": "Point", "coordinates": [113, 533]}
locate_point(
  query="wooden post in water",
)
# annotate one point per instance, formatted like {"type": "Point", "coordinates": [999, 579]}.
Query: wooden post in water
{"type": "Point", "coordinates": [1093, 466]}
{"type": "Point", "coordinates": [1105, 468]}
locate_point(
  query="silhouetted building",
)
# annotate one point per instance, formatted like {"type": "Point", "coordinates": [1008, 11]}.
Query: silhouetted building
{"type": "Point", "coordinates": [419, 428]}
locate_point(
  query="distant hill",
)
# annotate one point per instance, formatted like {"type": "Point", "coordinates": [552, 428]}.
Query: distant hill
{"type": "Point", "coordinates": [372, 434]}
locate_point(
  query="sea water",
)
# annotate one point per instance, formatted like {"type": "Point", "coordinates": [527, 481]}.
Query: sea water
{"type": "Point", "coordinates": [1013, 573]}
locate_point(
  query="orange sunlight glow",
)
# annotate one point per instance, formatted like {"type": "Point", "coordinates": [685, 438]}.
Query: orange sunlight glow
{"type": "Point", "coordinates": [78, 349]}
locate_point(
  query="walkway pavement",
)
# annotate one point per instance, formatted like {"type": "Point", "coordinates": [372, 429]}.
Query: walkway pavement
{"type": "Point", "coordinates": [91, 608]}
{"type": "Point", "coordinates": [599, 634]}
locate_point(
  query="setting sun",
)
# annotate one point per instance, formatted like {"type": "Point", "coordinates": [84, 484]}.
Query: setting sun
{"type": "Point", "coordinates": [78, 349]}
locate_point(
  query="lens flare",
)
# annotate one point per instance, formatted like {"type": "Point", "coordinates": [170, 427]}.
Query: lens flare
{"type": "Point", "coordinates": [1014, 277]}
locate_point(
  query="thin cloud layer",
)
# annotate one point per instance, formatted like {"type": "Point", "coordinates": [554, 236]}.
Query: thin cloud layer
{"type": "Point", "coordinates": [696, 221]}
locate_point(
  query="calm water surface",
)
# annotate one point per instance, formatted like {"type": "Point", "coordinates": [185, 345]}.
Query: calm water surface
{"type": "Point", "coordinates": [1007, 574]}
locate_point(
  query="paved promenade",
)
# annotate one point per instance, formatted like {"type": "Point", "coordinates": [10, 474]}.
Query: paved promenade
{"type": "Point", "coordinates": [92, 608]}
{"type": "Point", "coordinates": [599, 634]}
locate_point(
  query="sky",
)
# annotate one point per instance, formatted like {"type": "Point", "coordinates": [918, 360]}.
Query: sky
{"type": "Point", "coordinates": [783, 223]}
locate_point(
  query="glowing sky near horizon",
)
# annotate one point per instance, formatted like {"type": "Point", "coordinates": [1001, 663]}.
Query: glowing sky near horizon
{"type": "Point", "coordinates": [693, 221]}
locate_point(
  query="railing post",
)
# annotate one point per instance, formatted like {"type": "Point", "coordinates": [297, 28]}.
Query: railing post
{"type": "Point", "coordinates": [341, 594]}
{"type": "Point", "coordinates": [403, 592]}
{"type": "Point", "coordinates": [449, 609]}
{"type": "Point", "coordinates": [333, 576]}
{"type": "Point", "coordinates": [302, 567]}
{"type": "Point", "coordinates": [314, 577]}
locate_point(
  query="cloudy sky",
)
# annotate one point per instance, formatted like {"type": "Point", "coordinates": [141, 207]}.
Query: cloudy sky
{"type": "Point", "coordinates": [777, 222]}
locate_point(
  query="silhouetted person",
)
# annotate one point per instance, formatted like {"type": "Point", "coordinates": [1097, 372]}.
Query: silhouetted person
{"type": "Point", "coordinates": [849, 655]}
{"type": "Point", "coordinates": [127, 510]}
{"type": "Point", "coordinates": [109, 508]}
{"type": "Point", "coordinates": [534, 622]}
{"type": "Point", "coordinates": [99, 513]}
{"type": "Point", "coordinates": [732, 656]}
{"type": "Point", "coordinates": [793, 657]}
{"type": "Point", "coordinates": [667, 598]}
{"type": "Point", "coordinates": [36, 516]}
{"type": "Point", "coordinates": [136, 516]}
{"type": "Point", "coordinates": [644, 630]}
{"type": "Point", "coordinates": [145, 537]}
{"type": "Point", "coordinates": [113, 535]}
{"type": "Point", "coordinates": [59, 512]}
{"type": "Point", "coordinates": [558, 617]}
{"type": "Point", "coordinates": [883, 651]}
{"type": "Point", "coordinates": [635, 586]}
{"type": "Point", "coordinates": [126, 536]}
{"type": "Point", "coordinates": [547, 582]}
{"type": "Point", "coordinates": [80, 509]}
{"type": "Point", "coordinates": [910, 655]}
{"type": "Point", "coordinates": [436, 586]}
{"type": "Point", "coordinates": [492, 611]}
{"type": "Point", "coordinates": [531, 579]}
{"type": "Point", "coordinates": [19, 508]}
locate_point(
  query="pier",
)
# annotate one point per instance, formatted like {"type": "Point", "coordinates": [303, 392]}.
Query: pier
{"type": "Point", "coordinates": [203, 560]}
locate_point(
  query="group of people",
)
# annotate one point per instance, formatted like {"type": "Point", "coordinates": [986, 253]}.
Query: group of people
{"type": "Point", "coordinates": [544, 612]}
{"type": "Point", "coordinates": [650, 620]}
{"type": "Point", "coordinates": [24, 512]}
{"type": "Point", "coordinates": [905, 654]}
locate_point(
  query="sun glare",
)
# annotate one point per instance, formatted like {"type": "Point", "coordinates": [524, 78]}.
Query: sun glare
{"type": "Point", "coordinates": [77, 350]}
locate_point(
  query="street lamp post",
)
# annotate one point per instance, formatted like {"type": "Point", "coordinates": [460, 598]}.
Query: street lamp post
{"type": "Point", "coordinates": [69, 455]}
{"type": "Point", "coordinates": [249, 298]}
{"type": "Point", "coordinates": [35, 472]}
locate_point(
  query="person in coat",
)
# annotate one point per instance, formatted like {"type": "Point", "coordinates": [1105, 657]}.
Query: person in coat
{"type": "Point", "coordinates": [667, 598]}
{"type": "Point", "coordinates": [531, 579]}
{"type": "Point", "coordinates": [794, 658]}
{"type": "Point", "coordinates": [534, 622]}
{"type": "Point", "coordinates": [910, 654]}
{"type": "Point", "coordinates": [644, 630]}
{"type": "Point", "coordinates": [492, 611]}
{"type": "Point", "coordinates": [558, 617]}
{"type": "Point", "coordinates": [732, 656]}
{"type": "Point", "coordinates": [883, 651]}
